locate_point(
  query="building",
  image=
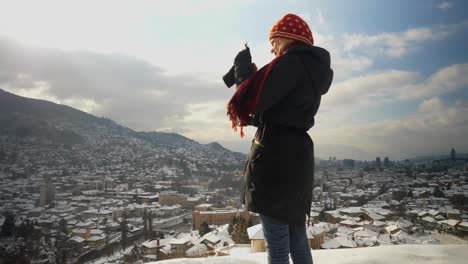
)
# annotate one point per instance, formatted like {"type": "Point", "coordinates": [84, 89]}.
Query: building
{"type": "Point", "coordinates": [257, 239]}
{"type": "Point", "coordinates": [169, 211]}
{"type": "Point", "coordinates": [348, 163]}
{"type": "Point", "coordinates": [203, 207]}
{"type": "Point", "coordinates": [47, 192]}
{"type": "Point", "coordinates": [191, 202]}
{"type": "Point", "coordinates": [217, 216]}
{"type": "Point", "coordinates": [386, 162]}
{"type": "Point", "coordinates": [179, 246]}
{"type": "Point", "coordinates": [378, 163]}
{"type": "Point", "coordinates": [453, 154]}
{"type": "Point", "coordinates": [151, 247]}
{"type": "Point", "coordinates": [462, 228]}
{"type": "Point", "coordinates": [172, 197]}
{"type": "Point", "coordinates": [96, 241]}
{"type": "Point", "coordinates": [81, 232]}
{"type": "Point", "coordinates": [147, 199]}
{"type": "Point", "coordinates": [316, 236]}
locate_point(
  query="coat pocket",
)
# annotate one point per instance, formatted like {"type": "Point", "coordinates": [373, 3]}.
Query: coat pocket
{"type": "Point", "coordinates": [256, 150]}
{"type": "Point", "coordinates": [253, 176]}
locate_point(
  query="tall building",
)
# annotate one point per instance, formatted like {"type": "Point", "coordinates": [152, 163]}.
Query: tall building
{"type": "Point", "coordinates": [453, 154]}
{"type": "Point", "coordinates": [47, 191]}
{"type": "Point", "coordinates": [386, 162]}
{"type": "Point", "coordinates": [378, 163]}
{"type": "Point", "coordinates": [348, 163]}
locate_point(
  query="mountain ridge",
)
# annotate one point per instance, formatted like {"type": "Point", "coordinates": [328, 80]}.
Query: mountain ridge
{"type": "Point", "coordinates": [45, 132]}
{"type": "Point", "coordinates": [43, 109]}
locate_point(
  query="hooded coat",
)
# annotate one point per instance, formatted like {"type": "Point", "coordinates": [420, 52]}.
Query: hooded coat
{"type": "Point", "coordinates": [279, 173]}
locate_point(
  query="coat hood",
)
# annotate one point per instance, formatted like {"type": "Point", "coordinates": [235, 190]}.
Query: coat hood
{"type": "Point", "coordinates": [317, 62]}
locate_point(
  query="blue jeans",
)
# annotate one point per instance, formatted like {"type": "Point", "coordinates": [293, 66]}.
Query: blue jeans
{"type": "Point", "coordinates": [282, 239]}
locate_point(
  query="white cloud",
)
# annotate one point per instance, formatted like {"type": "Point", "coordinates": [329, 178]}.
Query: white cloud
{"type": "Point", "coordinates": [369, 89]}
{"type": "Point", "coordinates": [436, 124]}
{"type": "Point", "coordinates": [130, 91]}
{"type": "Point", "coordinates": [394, 85]}
{"type": "Point", "coordinates": [431, 105]}
{"type": "Point", "coordinates": [397, 44]}
{"type": "Point", "coordinates": [445, 5]}
{"type": "Point", "coordinates": [344, 64]}
{"type": "Point", "coordinates": [424, 132]}
{"type": "Point", "coordinates": [161, 33]}
{"type": "Point", "coordinates": [356, 53]}
{"type": "Point", "coordinates": [136, 93]}
{"type": "Point", "coordinates": [443, 81]}
{"type": "Point", "coordinates": [320, 18]}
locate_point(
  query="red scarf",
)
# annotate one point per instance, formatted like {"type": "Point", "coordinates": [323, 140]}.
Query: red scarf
{"type": "Point", "coordinates": [244, 101]}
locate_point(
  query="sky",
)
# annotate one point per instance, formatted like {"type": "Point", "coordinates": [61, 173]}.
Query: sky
{"type": "Point", "coordinates": [401, 67]}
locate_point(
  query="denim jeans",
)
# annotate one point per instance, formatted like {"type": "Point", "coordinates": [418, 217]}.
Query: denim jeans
{"type": "Point", "coordinates": [282, 239]}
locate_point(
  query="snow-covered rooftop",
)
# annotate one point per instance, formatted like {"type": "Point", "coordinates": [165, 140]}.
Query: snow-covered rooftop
{"type": "Point", "coordinates": [414, 254]}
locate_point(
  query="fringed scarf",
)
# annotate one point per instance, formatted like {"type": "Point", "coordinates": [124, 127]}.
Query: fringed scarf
{"type": "Point", "coordinates": [244, 101]}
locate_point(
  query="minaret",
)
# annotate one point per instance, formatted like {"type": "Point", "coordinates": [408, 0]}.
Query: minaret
{"type": "Point", "coordinates": [47, 191]}
{"type": "Point", "coordinates": [453, 154]}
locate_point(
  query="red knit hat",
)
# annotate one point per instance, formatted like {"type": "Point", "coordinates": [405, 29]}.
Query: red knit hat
{"type": "Point", "coordinates": [292, 27]}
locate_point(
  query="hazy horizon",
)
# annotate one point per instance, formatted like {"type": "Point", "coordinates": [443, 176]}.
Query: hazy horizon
{"type": "Point", "coordinates": [400, 67]}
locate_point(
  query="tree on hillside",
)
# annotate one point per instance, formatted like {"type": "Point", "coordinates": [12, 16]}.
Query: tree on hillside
{"type": "Point", "coordinates": [124, 231]}
{"type": "Point", "coordinates": [107, 232]}
{"type": "Point", "coordinates": [239, 234]}
{"type": "Point", "coordinates": [234, 221]}
{"type": "Point", "coordinates": [137, 253]}
{"type": "Point", "coordinates": [145, 224]}
{"type": "Point", "coordinates": [63, 226]}
{"type": "Point", "coordinates": [8, 227]}
{"type": "Point", "coordinates": [150, 224]}
{"type": "Point", "coordinates": [204, 229]}
{"type": "Point", "coordinates": [2, 155]}
{"type": "Point", "coordinates": [438, 192]}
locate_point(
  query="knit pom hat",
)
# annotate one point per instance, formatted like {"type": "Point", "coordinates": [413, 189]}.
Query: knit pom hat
{"type": "Point", "coordinates": [292, 27]}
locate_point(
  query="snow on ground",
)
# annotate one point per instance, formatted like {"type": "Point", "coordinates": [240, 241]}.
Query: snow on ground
{"type": "Point", "coordinates": [408, 254]}
{"type": "Point", "coordinates": [240, 251]}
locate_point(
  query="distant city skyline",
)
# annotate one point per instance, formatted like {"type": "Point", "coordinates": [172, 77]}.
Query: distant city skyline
{"type": "Point", "coordinates": [399, 89]}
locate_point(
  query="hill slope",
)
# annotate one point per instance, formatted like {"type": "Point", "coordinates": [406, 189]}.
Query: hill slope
{"type": "Point", "coordinates": [41, 132]}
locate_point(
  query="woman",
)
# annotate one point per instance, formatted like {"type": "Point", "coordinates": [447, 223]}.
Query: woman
{"type": "Point", "coordinates": [281, 99]}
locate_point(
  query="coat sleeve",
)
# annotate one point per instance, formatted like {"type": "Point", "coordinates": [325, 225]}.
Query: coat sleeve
{"type": "Point", "coordinates": [282, 79]}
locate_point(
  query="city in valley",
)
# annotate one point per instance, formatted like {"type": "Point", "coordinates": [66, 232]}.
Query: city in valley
{"type": "Point", "coordinates": [80, 189]}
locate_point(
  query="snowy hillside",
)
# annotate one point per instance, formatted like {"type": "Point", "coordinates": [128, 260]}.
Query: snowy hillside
{"type": "Point", "coordinates": [411, 254]}
{"type": "Point", "coordinates": [35, 132]}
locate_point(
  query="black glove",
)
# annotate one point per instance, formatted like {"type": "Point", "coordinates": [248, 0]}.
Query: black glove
{"type": "Point", "coordinates": [229, 78]}
{"type": "Point", "coordinates": [243, 67]}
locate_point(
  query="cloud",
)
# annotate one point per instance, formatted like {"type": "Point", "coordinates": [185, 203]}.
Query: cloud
{"type": "Point", "coordinates": [394, 85]}
{"type": "Point", "coordinates": [320, 18]}
{"type": "Point", "coordinates": [423, 132]}
{"type": "Point", "coordinates": [443, 81]}
{"type": "Point", "coordinates": [355, 53]}
{"type": "Point", "coordinates": [344, 64]}
{"type": "Point", "coordinates": [398, 44]}
{"type": "Point", "coordinates": [369, 89]}
{"type": "Point", "coordinates": [432, 128]}
{"type": "Point", "coordinates": [144, 96]}
{"type": "Point", "coordinates": [445, 5]}
{"type": "Point", "coordinates": [130, 91]}
{"type": "Point", "coordinates": [431, 105]}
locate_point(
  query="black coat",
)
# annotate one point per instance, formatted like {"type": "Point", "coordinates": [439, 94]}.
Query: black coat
{"type": "Point", "coordinates": [279, 172]}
